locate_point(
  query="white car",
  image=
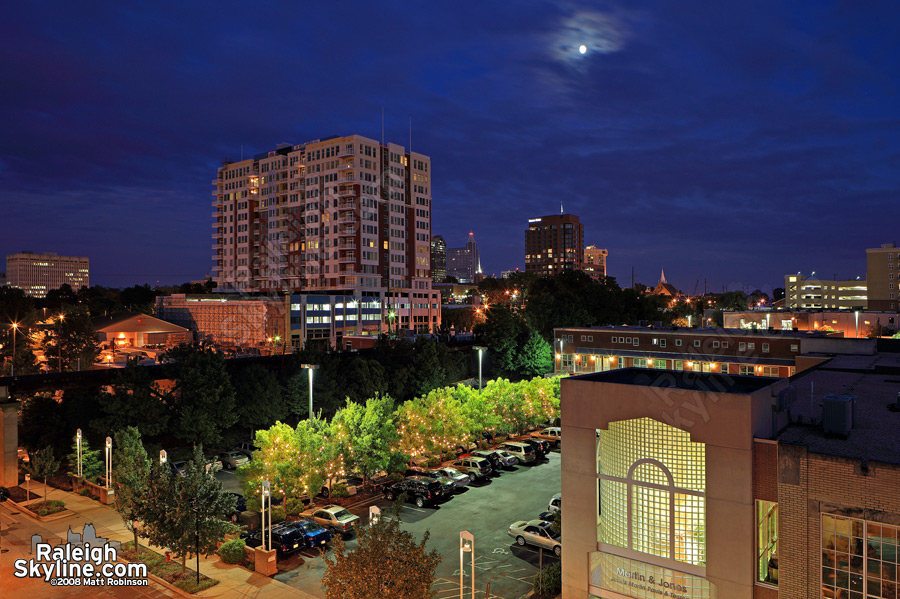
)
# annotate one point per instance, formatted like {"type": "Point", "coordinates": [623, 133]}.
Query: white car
{"type": "Point", "coordinates": [537, 533]}
{"type": "Point", "coordinates": [555, 503]}
{"type": "Point", "coordinates": [234, 459]}
{"type": "Point", "coordinates": [334, 517]}
{"type": "Point", "coordinates": [551, 433]}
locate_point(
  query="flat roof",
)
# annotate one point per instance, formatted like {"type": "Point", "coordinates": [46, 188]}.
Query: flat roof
{"type": "Point", "coordinates": [690, 381]}
{"type": "Point", "coordinates": [686, 357]}
{"type": "Point", "coordinates": [875, 381]}
{"type": "Point", "coordinates": [717, 332]}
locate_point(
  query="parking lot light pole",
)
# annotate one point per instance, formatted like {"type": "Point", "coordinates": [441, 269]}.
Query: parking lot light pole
{"type": "Point", "coordinates": [310, 367]}
{"type": "Point", "coordinates": [78, 449]}
{"type": "Point", "coordinates": [108, 461]}
{"type": "Point", "coordinates": [15, 329]}
{"type": "Point", "coordinates": [266, 498]}
{"type": "Point", "coordinates": [163, 456]}
{"type": "Point", "coordinates": [480, 350]}
{"type": "Point", "coordinates": [466, 545]}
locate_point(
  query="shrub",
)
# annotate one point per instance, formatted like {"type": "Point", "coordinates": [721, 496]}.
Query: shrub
{"type": "Point", "coordinates": [56, 503]}
{"type": "Point", "coordinates": [43, 511]}
{"type": "Point", "coordinates": [433, 462]}
{"type": "Point", "coordinates": [549, 581]}
{"type": "Point", "coordinates": [294, 507]}
{"type": "Point", "coordinates": [84, 492]}
{"type": "Point", "coordinates": [277, 514]}
{"type": "Point", "coordinates": [394, 476]}
{"type": "Point", "coordinates": [232, 552]}
{"type": "Point", "coordinates": [449, 456]}
{"type": "Point", "coordinates": [340, 490]}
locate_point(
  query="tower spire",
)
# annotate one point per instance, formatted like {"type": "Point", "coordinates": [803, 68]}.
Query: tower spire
{"type": "Point", "coordinates": [662, 276]}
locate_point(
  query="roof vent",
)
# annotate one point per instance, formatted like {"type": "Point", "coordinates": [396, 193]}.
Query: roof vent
{"type": "Point", "coordinates": [837, 414]}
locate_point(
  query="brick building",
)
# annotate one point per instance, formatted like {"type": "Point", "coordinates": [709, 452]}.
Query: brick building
{"type": "Point", "coordinates": [554, 243]}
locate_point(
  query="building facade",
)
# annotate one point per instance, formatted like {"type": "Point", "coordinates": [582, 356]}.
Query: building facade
{"type": "Point", "coordinates": [228, 320]}
{"type": "Point", "coordinates": [36, 274]}
{"type": "Point", "coordinates": [809, 293]}
{"type": "Point", "coordinates": [342, 214]}
{"type": "Point", "coordinates": [464, 263]}
{"type": "Point", "coordinates": [554, 243]}
{"type": "Point", "coordinates": [883, 277]}
{"type": "Point", "coordinates": [438, 259]}
{"type": "Point", "coordinates": [856, 324]}
{"type": "Point", "coordinates": [595, 261]}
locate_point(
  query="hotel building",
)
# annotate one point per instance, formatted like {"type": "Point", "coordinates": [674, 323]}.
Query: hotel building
{"type": "Point", "coordinates": [702, 486]}
{"type": "Point", "coordinates": [554, 243]}
{"type": "Point", "coordinates": [36, 274]}
{"type": "Point", "coordinates": [595, 261]}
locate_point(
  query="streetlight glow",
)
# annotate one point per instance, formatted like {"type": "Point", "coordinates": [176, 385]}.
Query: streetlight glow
{"type": "Point", "coordinates": [310, 367]}
{"type": "Point", "coordinates": [466, 545]}
{"type": "Point", "coordinates": [481, 350]}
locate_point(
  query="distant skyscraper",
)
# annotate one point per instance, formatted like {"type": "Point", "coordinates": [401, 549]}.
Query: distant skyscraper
{"type": "Point", "coordinates": [464, 263]}
{"type": "Point", "coordinates": [595, 261]}
{"type": "Point", "coordinates": [554, 243]}
{"type": "Point", "coordinates": [438, 259]}
{"type": "Point", "coordinates": [36, 274]}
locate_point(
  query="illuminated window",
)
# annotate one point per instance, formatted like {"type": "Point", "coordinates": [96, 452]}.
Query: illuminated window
{"type": "Point", "coordinates": [767, 541]}
{"type": "Point", "coordinates": [653, 491]}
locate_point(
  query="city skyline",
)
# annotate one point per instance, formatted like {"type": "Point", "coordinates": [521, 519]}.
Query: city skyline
{"type": "Point", "coordinates": [736, 134]}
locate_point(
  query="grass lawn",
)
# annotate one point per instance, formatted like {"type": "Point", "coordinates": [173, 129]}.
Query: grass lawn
{"type": "Point", "coordinates": [169, 571]}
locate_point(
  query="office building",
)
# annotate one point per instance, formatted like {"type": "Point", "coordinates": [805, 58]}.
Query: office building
{"type": "Point", "coordinates": [554, 243]}
{"type": "Point", "coordinates": [882, 278]}
{"type": "Point", "coordinates": [228, 320]}
{"type": "Point", "coordinates": [36, 274]}
{"type": "Point", "coordinates": [710, 485]}
{"type": "Point", "coordinates": [595, 262]}
{"type": "Point", "coordinates": [438, 259]}
{"type": "Point", "coordinates": [464, 263]}
{"type": "Point", "coordinates": [811, 293]}
{"type": "Point", "coordinates": [858, 323]}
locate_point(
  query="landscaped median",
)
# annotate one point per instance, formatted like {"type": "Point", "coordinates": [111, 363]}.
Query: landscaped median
{"type": "Point", "coordinates": [167, 573]}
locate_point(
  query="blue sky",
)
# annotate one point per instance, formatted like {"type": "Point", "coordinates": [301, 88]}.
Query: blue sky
{"type": "Point", "coordinates": [729, 141]}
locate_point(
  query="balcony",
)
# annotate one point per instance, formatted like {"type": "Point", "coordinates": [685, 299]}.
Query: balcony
{"type": "Point", "coordinates": [345, 153]}
{"type": "Point", "coordinates": [347, 245]}
{"type": "Point", "coordinates": [349, 191]}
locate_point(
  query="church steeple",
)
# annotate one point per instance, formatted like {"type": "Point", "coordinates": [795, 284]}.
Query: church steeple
{"type": "Point", "coordinates": [662, 276]}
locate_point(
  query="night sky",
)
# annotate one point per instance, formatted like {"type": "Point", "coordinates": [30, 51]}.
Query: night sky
{"type": "Point", "coordinates": [736, 141]}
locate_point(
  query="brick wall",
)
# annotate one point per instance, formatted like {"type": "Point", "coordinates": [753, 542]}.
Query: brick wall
{"type": "Point", "coordinates": [811, 483]}
{"type": "Point", "coordinates": [765, 471]}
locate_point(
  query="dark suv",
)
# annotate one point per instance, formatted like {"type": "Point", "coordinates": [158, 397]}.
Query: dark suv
{"type": "Point", "coordinates": [491, 456]}
{"type": "Point", "coordinates": [447, 485]}
{"type": "Point", "coordinates": [286, 539]}
{"type": "Point", "coordinates": [419, 489]}
{"type": "Point", "coordinates": [541, 446]}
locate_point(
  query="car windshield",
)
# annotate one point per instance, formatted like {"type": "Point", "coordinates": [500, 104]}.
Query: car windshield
{"type": "Point", "coordinates": [451, 471]}
{"type": "Point", "coordinates": [342, 515]}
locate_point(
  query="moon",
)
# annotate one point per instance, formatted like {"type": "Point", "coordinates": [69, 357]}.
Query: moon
{"type": "Point", "coordinates": [582, 48]}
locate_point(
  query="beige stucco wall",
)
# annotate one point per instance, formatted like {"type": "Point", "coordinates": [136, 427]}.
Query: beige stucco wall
{"type": "Point", "coordinates": [725, 422]}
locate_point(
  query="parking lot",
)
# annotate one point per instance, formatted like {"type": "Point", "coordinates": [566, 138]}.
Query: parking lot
{"type": "Point", "coordinates": [486, 509]}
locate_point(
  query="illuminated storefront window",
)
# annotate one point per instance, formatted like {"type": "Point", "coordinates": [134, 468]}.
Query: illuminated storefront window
{"type": "Point", "coordinates": [767, 541]}
{"type": "Point", "coordinates": [653, 491]}
{"type": "Point", "coordinates": [859, 559]}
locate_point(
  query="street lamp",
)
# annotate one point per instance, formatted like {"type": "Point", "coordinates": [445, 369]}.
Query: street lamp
{"type": "Point", "coordinates": [481, 350]}
{"type": "Point", "coordinates": [466, 545]}
{"type": "Point", "coordinates": [374, 515]}
{"type": "Point", "coordinates": [163, 456]}
{"type": "Point", "coordinates": [855, 313]}
{"type": "Point", "coordinates": [62, 317]}
{"type": "Point", "coordinates": [78, 445]}
{"type": "Point", "coordinates": [266, 499]}
{"type": "Point", "coordinates": [108, 461]}
{"type": "Point", "coordinates": [310, 367]}
{"type": "Point", "coordinates": [15, 328]}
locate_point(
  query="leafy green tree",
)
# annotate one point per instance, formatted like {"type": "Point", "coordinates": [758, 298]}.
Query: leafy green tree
{"type": "Point", "coordinates": [136, 400]}
{"type": "Point", "coordinates": [275, 460]}
{"type": "Point", "coordinates": [363, 378]}
{"type": "Point", "coordinates": [131, 469]}
{"type": "Point", "coordinates": [503, 332]}
{"type": "Point", "coordinates": [535, 357]}
{"type": "Point", "coordinates": [176, 507]}
{"type": "Point", "coordinates": [426, 368]}
{"type": "Point", "coordinates": [92, 464]}
{"type": "Point", "coordinates": [43, 464]}
{"type": "Point", "coordinates": [403, 568]}
{"type": "Point", "coordinates": [367, 435]}
{"type": "Point", "coordinates": [72, 341]}
{"type": "Point", "coordinates": [258, 397]}
{"type": "Point", "coordinates": [204, 404]}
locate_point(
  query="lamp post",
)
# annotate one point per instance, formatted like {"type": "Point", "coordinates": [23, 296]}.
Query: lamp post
{"type": "Point", "coordinates": [15, 329]}
{"type": "Point", "coordinates": [310, 367]}
{"type": "Point", "coordinates": [374, 515]}
{"type": "Point", "coordinates": [78, 448]}
{"type": "Point", "coordinates": [466, 545]}
{"type": "Point", "coordinates": [163, 457]}
{"type": "Point", "coordinates": [480, 350]}
{"type": "Point", "coordinates": [266, 498]}
{"type": "Point", "coordinates": [855, 313]}
{"type": "Point", "coordinates": [108, 461]}
{"type": "Point", "coordinates": [62, 317]}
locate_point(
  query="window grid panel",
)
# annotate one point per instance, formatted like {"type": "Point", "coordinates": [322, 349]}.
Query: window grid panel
{"type": "Point", "coordinates": [859, 558]}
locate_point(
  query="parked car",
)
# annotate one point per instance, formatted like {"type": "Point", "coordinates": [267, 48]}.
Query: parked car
{"type": "Point", "coordinates": [497, 463]}
{"type": "Point", "coordinates": [460, 479]}
{"type": "Point", "coordinates": [214, 463]}
{"type": "Point", "coordinates": [475, 466]}
{"type": "Point", "coordinates": [233, 459]}
{"type": "Point", "coordinates": [555, 503]}
{"type": "Point", "coordinates": [419, 489]}
{"type": "Point", "coordinates": [547, 516]}
{"type": "Point", "coordinates": [334, 517]}
{"type": "Point", "coordinates": [285, 538]}
{"type": "Point", "coordinates": [178, 466]}
{"type": "Point", "coordinates": [541, 446]}
{"type": "Point", "coordinates": [536, 532]}
{"type": "Point", "coordinates": [314, 534]}
{"type": "Point", "coordinates": [247, 448]}
{"type": "Point", "coordinates": [551, 434]}
{"type": "Point", "coordinates": [447, 485]}
{"type": "Point", "coordinates": [509, 459]}
{"type": "Point", "coordinates": [523, 451]}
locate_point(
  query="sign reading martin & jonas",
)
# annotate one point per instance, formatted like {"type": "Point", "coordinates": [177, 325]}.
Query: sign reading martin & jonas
{"type": "Point", "coordinates": [645, 581]}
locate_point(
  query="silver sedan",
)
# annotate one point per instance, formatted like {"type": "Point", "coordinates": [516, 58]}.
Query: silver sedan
{"type": "Point", "coordinates": [537, 533]}
{"type": "Point", "coordinates": [459, 479]}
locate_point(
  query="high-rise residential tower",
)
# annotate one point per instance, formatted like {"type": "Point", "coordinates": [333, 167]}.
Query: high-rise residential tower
{"type": "Point", "coordinates": [554, 243]}
{"type": "Point", "coordinates": [335, 215]}
{"type": "Point", "coordinates": [595, 261]}
{"type": "Point", "coordinates": [464, 263]}
{"type": "Point", "coordinates": [36, 274]}
{"type": "Point", "coordinates": [438, 259]}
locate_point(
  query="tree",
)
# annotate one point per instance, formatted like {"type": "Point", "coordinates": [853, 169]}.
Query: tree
{"type": "Point", "coordinates": [405, 570]}
{"type": "Point", "coordinates": [258, 398]}
{"type": "Point", "coordinates": [42, 422]}
{"type": "Point", "coordinates": [91, 463]}
{"type": "Point", "coordinates": [535, 357]}
{"type": "Point", "coordinates": [43, 464]}
{"type": "Point", "coordinates": [73, 341]}
{"type": "Point", "coordinates": [136, 400]}
{"type": "Point", "coordinates": [131, 468]}
{"type": "Point", "coordinates": [367, 435]}
{"type": "Point", "coordinates": [204, 404]}
{"type": "Point", "coordinates": [187, 513]}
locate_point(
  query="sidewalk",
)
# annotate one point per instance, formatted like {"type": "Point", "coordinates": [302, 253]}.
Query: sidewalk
{"type": "Point", "coordinates": [16, 530]}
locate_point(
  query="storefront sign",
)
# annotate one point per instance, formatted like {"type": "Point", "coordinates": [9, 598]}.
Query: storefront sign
{"type": "Point", "coordinates": [644, 581]}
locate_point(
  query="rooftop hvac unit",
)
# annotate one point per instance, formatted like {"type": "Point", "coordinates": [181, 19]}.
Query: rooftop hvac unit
{"type": "Point", "coordinates": [786, 397]}
{"type": "Point", "coordinates": [837, 414]}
